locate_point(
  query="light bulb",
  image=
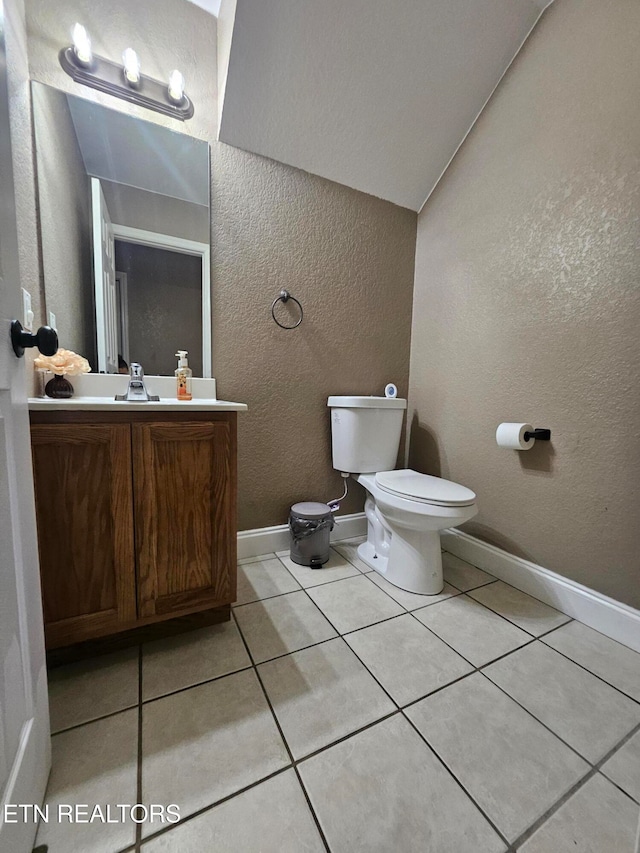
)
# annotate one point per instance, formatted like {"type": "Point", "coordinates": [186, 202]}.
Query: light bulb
{"type": "Point", "coordinates": [131, 66]}
{"type": "Point", "coordinates": [81, 45]}
{"type": "Point", "coordinates": [176, 87]}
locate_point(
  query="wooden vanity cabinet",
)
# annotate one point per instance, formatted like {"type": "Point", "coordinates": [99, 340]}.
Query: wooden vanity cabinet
{"type": "Point", "coordinates": [136, 517]}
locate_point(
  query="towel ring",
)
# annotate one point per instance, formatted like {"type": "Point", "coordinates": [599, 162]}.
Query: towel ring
{"type": "Point", "coordinates": [284, 296]}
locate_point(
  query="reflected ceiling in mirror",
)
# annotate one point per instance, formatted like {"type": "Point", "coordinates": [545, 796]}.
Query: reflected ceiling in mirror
{"type": "Point", "coordinates": [124, 222]}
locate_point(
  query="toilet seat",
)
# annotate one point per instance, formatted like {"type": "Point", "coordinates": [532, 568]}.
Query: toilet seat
{"type": "Point", "coordinates": [424, 488]}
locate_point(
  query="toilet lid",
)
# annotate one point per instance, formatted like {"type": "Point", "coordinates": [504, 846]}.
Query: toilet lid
{"type": "Point", "coordinates": [422, 487]}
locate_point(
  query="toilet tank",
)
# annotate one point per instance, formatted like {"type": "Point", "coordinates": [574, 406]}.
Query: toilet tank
{"type": "Point", "coordinates": [365, 433]}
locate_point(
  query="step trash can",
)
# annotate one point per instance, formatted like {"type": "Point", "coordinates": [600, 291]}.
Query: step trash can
{"type": "Point", "coordinates": [310, 525]}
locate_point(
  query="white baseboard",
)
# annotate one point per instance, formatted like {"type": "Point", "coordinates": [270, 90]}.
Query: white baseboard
{"type": "Point", "coordinates": [604, 614]}
{"type": "Point", "coordinates": [265, 540]}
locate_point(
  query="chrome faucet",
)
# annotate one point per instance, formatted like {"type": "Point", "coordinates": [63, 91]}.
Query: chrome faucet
{"type": "Point", "coordinates": [137, 390]}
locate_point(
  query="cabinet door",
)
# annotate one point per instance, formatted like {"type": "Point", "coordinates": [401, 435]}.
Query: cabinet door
{"type": "Point", "coordinates": [84, 506]}
{"type": "Point", "coordinates": [184, 495]}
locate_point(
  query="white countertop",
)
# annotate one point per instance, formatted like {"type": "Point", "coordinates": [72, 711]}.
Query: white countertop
{"type": "Point", "coordinates": [102, 404]}
{"type": "Point", "coordinates": [95, 392]}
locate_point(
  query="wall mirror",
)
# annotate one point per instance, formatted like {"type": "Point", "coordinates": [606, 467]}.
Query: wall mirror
{"type": "Point", "coordinates": [124, 224]}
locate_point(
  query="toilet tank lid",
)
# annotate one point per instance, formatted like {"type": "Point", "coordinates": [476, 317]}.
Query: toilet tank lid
{"type": "Point", "coordinates": [366, 403]}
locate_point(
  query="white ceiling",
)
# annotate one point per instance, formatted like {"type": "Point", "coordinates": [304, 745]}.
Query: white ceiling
{"type": "Point", "coordinates": [127, 150]}
{"type": "Point", "coordinates": [373, 94]}
{"type": "Point", "coordinates": [211, 6]}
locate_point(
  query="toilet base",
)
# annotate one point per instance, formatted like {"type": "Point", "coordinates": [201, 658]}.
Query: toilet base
{"type": "Point", "coordinates": [414, 561]}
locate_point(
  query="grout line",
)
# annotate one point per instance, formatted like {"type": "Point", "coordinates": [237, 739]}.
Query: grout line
{"type": "Point", "coordinates": [595, 674]}
{"type": "Point", "coordinates": [613, 752]}
{"type": "Point", "coordinates": [455, 778]}
{"type": "Point", "coordinates": [294, 762]}
{"type": "Point", "coordinates": [315, 817]}
{"type": "Point", "coordinates": [511, 621]}
{"type": "Point", "coordinates": [420, 606]}
{"type": "Point", "coordinates": [195, 684]}
{"type": "Point", "coordinates": [139, 767]}
{"type": "Point", "coordinates": [346, 737]}
{"type": "Point", "coordinates": [476, 667]}
{"type": "Point", "coordinates": [539, 721]}
{"type": "Point", "coordinates": [515, 624]}
{"type": "Point", "coordinates": [400, 710]}
{"type": "Point", "coordinates": [183, 820]}
{"type": "Point", "coordinates": [535, 826]}
{"type": "Point", "coordinates": [284, 740]}
{"type": "Point", "coordinates": [95, 720]}
{"type": "Point", "coordinates": [593, 771]}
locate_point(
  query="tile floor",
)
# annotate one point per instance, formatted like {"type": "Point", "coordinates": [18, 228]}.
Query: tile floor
{"type": "Point", "coordinates": [336, 712]}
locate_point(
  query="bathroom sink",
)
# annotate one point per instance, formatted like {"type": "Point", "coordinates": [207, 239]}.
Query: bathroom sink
{"type": "Point", "coordinates": [97, 391]}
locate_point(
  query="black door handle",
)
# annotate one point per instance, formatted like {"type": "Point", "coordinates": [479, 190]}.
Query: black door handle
{"type": "Point", "coordinates": [46, 339]}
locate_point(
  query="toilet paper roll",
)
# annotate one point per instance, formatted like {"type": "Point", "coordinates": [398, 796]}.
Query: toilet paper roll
{"type": "Point", "coordinates": [512, 436]}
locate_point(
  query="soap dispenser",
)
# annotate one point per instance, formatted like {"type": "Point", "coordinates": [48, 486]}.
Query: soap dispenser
{"type": "Point", "coordinates": [183, 376]}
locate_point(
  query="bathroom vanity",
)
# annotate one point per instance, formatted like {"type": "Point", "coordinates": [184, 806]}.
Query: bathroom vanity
{"type": "Point", "coordinates": [136, 512]}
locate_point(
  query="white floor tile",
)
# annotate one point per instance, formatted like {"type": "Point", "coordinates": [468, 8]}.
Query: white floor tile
{"type": "Point", "coordinates": [406, 658]}
{"type": "Point", "coordinates": [354, 603]}
{"type": "Point", "coordinates": [280, 625]}
{"type": "Point", "coordinates": [272, 817]}
{"type": "Point", "coordinates": [528, 613]}
{"type": "Point", "coordinates": [510, 764]}
{"type": "Point", "coordinates": [263, 579]}
{"type": "Point", "coordinates": [257, 558]}
{"type": "Point", "coordinates": [84, 691]}
{"type": "Point", "coordinates": [202, 744]}
{"type": "Point", "coordinates": [463, 575]}
{"type": "Point", "coordinates": [384, 790]}
{"type": "Point", "coordinates": [349, 549]}
{"type": "Point", "coordinates": [596, 819]}
{"type": "Point", "coordinates": [585, 712]}
{"type": "Point", "coordinates": [322, 694]}
{"type": "Point", "coordinates": [475, 632]}
{"type": "Point", "coordinates": [612, 661]}
{"type": "Point", "coordinates": [411, 600]}
{"type": "Point", "coordinates": [190, 658]}
{"type": "Point", "coordinates": [623, 767]}
{"type": "Point", "coordinates": [94, 764]}
{"type": "Point", "coordinates": [336, 568]}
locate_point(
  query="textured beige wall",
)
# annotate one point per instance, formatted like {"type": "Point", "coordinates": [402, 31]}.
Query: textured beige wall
{"type": "Point", "coordinates": [527, 303]}
{"type": "Point", "coordinates": [348, 257]}
{"type": "Point", "coordinates": [164, 302]}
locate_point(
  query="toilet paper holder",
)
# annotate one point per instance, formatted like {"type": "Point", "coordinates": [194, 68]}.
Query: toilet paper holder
{"type": "Point", "coordinates": [538, 434]}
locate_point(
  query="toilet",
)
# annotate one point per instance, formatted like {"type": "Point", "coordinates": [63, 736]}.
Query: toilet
{"type": "Point", "coordinates": [405, 510]}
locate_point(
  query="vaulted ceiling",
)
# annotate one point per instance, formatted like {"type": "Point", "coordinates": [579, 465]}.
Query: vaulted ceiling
{"type": "Point", "coordinates": [373, 94]}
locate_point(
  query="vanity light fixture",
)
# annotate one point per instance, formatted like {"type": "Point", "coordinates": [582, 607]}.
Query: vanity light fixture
{"type": "Point", "coordinates": [131, 65]}
{"type": "Point", "coordinates": [124, 81]}
{"type": "Point", "coordinates": [175, 89]}
{"type": "Point", "coordinates": [81, 46]}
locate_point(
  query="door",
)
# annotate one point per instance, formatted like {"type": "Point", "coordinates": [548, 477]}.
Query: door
{"type": "Point", "coordinates": [122, 307]}
{"type": "Point", "coordinates": [24, 714]}
{"type": "Point", "coordinates": [184, 495]}
{"type": "Point", "coordinates": [104, 274]}
{"type": "Point", "coordinates": [87, 559]}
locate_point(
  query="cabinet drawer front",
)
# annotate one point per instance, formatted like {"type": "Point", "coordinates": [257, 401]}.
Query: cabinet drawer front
{"type": "Point", "coordinates": [84, 506]}
{"type": "Point", "coordinates": [184, 494]}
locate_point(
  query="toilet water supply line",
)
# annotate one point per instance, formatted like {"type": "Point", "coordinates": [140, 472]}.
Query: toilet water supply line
{"type": "Point", "coordinates": [334, 505]}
